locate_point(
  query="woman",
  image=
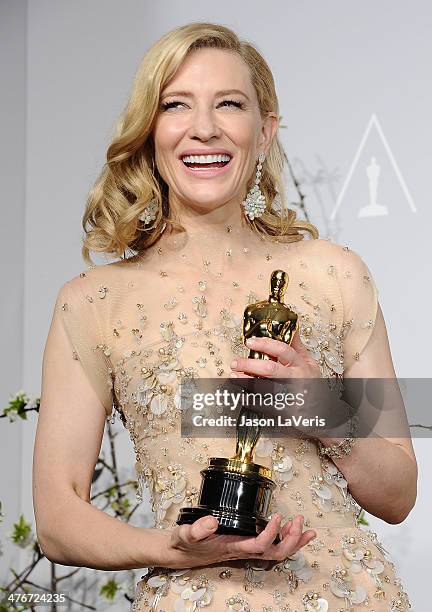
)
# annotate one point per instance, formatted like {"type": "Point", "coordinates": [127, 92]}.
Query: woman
{"type": "Point", "coordinates": [192, 189]}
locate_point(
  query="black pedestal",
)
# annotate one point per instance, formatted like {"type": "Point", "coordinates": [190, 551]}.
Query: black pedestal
{"type": "Point", "coordinates": [236, 493]}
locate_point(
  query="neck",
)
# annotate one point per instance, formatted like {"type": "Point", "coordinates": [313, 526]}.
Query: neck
{"type": "Point", "coordinates": [212, 240]}
{"type": "Point", "coordinates": [199, 222]}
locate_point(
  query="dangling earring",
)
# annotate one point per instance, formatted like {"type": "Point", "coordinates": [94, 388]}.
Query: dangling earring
{"type": "Point", "coordinates": [255, 203]}
{"type": "Point", "coordinates": [149, 212]}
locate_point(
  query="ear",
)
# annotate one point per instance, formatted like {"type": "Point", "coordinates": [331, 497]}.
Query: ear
{"type": "Point", "coordinates": [268, 131]}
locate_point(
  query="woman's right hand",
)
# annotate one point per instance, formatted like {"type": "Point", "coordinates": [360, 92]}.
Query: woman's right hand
{"type": "Point", "coordinates": [197, 545]}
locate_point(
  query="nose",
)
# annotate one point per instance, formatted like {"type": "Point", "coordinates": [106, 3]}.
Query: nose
{"type": "Point", "coordinates": [204, 124]}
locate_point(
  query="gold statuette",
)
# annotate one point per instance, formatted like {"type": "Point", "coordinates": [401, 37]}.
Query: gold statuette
{"type": "Point", "coordinates": [238, 491]}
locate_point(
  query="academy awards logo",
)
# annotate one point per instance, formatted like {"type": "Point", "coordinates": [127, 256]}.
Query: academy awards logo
{"type": "Point", "coordinates": [375, 207]}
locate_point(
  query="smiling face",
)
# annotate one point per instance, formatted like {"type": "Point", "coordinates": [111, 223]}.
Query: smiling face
{"type": "Point", "coordinates": [210, 107]}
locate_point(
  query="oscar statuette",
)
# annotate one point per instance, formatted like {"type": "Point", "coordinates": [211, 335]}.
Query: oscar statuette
{"type": "Point", "coordinates": [237, 491]}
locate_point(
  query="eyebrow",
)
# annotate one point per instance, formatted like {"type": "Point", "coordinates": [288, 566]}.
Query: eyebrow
{"type": "Point", "coordinates": [218, 93]}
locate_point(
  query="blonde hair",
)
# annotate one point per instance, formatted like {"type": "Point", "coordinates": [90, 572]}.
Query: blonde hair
{"type": "Point", "coordinates": [129, 179]}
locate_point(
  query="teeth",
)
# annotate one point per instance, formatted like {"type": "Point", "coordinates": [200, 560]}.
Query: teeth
{"type": "Point", "coordinates": [205, 159]}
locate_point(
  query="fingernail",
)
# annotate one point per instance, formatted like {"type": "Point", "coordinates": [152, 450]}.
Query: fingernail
{"type": "Point", "coordinates": [209, 522]}
{"type": "Point", "coordinates": [233, 363]}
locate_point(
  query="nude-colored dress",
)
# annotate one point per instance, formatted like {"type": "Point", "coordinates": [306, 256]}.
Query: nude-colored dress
{"type": "Point", "coordinates": [139, 325]}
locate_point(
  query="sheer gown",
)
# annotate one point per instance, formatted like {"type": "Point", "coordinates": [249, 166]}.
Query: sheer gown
{"type": "Point", "coordinates": [138, 326]}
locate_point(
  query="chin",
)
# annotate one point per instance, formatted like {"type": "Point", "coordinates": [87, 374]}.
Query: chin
{"type": "Point", "coordinates": [211, 201]}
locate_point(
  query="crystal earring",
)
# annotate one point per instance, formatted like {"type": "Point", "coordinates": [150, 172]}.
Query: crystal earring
{"type": "Point", "coordinates": [255, 203]}
{"type": "Point", "coordinates": [149, 212]}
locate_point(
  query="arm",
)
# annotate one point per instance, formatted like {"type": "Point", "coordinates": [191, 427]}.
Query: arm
{"type": "Point", "coordinates": [69, 433]}
{"type": "Point", "coordinates": [70, 428]}
{"type": "Point", "coordinates": [390, 490]}
{"type": "Point", "coordinates": [381, 472]}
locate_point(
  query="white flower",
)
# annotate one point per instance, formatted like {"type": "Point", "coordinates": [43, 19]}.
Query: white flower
{"type": "Point", "coordinates": [196, 594]}
{"type": "Point", "coordinates": [284, 468]}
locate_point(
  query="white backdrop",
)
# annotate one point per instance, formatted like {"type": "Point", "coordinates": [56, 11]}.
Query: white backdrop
{"type": "Point", "coordinates": [353, 84]}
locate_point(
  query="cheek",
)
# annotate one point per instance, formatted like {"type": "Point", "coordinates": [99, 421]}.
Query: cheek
{"type": "Point", "coordinates": [166, 135]}
{"type": "Point", "coordinates": [243, 133]}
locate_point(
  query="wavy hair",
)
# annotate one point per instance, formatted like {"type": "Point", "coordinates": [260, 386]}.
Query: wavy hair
{"type": "Point", "coordinates": [129, 179]}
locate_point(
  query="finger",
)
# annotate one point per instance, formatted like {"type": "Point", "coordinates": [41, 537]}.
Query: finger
{"type": "Point", "coordinates": [295, 538]}
{"type": "Point", "coordinates": [255, 546]}
{"type": "Point", "coordinates": [285, 353]}
{"type": "Point", "coordinates": [297, 529]}
{"type": "Point", "coordinates": [286, 529]}
{"type": "Point", "coordinates": [260, 367]}
{"type": "Point", "coordinates": [269, 534]}
{"type": "Point", "coordinates": [306, 537]}
{"type": "Point", "coordinates": [280, 352]}
{"type": "Point", "coordinates": [201, 529]}
{"type": "Point", "coordinates": [292, 533]}
{"type": "Point", "coordinates": [239, 375]}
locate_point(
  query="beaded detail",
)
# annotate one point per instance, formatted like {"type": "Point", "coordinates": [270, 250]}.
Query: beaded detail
{"type": "Point", "coordinates": [175, 316]}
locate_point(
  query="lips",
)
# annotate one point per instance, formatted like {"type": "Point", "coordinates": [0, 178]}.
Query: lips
{"type": "Point", "coordinates": [197, 165]}
{"type": "Point", "coordinates": [205, 152]}
{"type": "Point", "coordinates": [206, 170]}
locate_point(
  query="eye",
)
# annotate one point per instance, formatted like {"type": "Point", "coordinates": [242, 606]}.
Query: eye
{"type": "Point", "coordinates": [236, 103]}
{"type": "Point", "coordinates": [174, 103]}
{"type": "Point", "coordinates": [167, 105]}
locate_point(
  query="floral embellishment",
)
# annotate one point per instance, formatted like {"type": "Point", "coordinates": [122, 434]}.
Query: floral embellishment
{"type": "Point", "coordinates": [102, 292]}
{"type": "Point", "coordinates": [254, 575]}
{"type": "Point", "coordinates": [341, 585]}
{"type": "Point", "coordinates": [194, 593]}
{"type": "Point", "coordinates": [297, 565]}
{"type": "Point", "coordinates": [283, 469]}
{"type": "Point", "coordinates": [230, 330]}
{"type": "Point", "coordinates": [200, 305]}
{"type": "Point", "coordinates": [400, 603]}
{"type": "Point", "coordinates": [172, 303]}
{"type": "Point", "coordinates": [356, 557]}
{"type": "Point", "coordinates": [161, 582]}
{"type": "Point", "coordinates": [323, 343]}
{"type": "Point", "coordinates": [237, 603]}
{"type": "Point", "coordinates": [313, 602]}
{"type": "Point", "coordinates": [169, 489]}
{"type": "Point", "coordinates": [183, 318]}
{"type": "Point", "coordinates": [321, 493]}
{"type": "Point", "coordinates": [332, 476]}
